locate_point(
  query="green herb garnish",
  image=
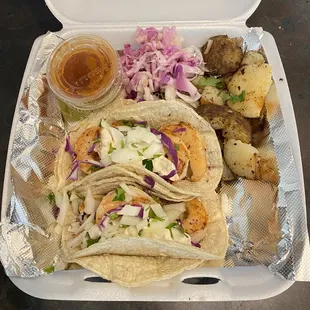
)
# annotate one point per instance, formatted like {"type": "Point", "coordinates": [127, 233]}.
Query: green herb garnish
{"type": "Point", "coordinates": [177, 226]}
{"type": "Point", "coordinates": [94, 168]}
{"type": "Point", "coordinates": [148, 164]}
{"type": "Point", "coordinates": [157, 155]}
{"type": "Point", "coordinates": [134, 145]}
{"type": "Point", "coordinates": [51, 198]}
{"type": "Point", "coordinates": [210, 81]}
{"type": "Point", "coordinates": [113, 216]}
{"type": "Point", "coordinates": [80, 196]}
{"type": "Point", "coordinates": [123, 226]}
{"type": "Point", "coordinates": [154, 217]}
{"type": "Point", "coordinates": [140, 153]}
{"type": "Point", "coordinates": [111, 149]}
{"type": "Point", "coordinates": [177, 147]}
{"type": "Point", "coordinates": [145, 148]}
{"type": "Point", "coordinates": [49, 269]}
{"type": "Point", "coordinates": [120, 194]}
{"type": "Point", "coordinates": [122, 144]}
{"type": "Point", "coordinates": [234, 98]}
{"type": "Point", "coordinates": [97, 140]}
{"type": "Point", "coordinates": [127, 123]}
{"type": "Point", "coordinates": [92, 241]}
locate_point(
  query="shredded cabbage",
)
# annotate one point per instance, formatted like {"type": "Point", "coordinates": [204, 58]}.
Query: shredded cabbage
{"type": "Point", "coordinates": [160, 66]}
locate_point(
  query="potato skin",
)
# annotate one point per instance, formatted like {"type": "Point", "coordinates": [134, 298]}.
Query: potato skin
{"type": "Point", "coordinates": [224, 56]}
{"type": "Point", "coordinates": [253, 58]}
{"type": "Point", "coordinates": [255, 80]}
{"type": "Point", "coordinates": [232, 123]}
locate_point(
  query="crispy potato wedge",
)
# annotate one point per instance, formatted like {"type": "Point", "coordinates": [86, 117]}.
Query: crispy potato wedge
{"type": "Point", "coordinates": [222, 54]}
{"type": "Point", "coordinates": [232, 123]}
{"type": "Point", "coordinates": [255, 80]}
{"type": "Point", "coordinates": [242, 158]}
{"type": "Point", "coordinates": [253, 58]}
{"type": "Point", "coordinates": [213, 95]}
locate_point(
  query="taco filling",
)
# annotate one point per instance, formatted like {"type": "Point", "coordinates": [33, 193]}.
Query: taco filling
{"type": "Point", "coordinates": [128, 211]}
{"type": "Point", "coordinates": [174, 151]}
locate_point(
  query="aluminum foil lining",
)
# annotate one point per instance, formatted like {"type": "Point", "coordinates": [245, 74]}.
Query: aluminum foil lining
{"type": "Point", "coordinates": [267, 224]}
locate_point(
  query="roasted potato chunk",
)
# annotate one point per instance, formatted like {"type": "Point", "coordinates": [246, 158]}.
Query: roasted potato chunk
{"type": "Point", "coordinates": [213, 95]}
{"type": "Point", "coordinates": [227, 173]}
{"type": "Point", "coordinates": [242, 159]}
{"type": "Point", "coordinates": [255, 80]}
{"type": "Point", "coordinates": [222, 54]}
{"type": "Point", "coordinates": [232, 123]}
{"type": "Point", "coordinates": [253, 58]}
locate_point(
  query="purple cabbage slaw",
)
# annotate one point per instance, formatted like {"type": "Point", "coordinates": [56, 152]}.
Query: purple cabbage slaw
{"type": "Point", "coordinates": [160, 65]}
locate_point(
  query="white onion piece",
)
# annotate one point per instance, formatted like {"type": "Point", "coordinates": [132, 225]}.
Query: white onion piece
{"type": "Point", "coordinates": [63, 209]}
{"type": "Point", "coordinates": [154, 148]}
{"type": "Point", "coordinates": [131, 231]}
{"type": "Point", "coordinates": [75, 206]}
{"type": "Point", "coordinates": [117, 136]}
{"type": "Point", "coordinates": [106, 160]}
{"type": "Point", "coordinates": [158, 210]}
{"type": "Point", "coordinates": [94, 232]}
{"type": "Point", "coordinates": [77, 240]}
{"type": "Point", "coordinates": [173, 214]}
{"type": "Point", "coordinates": [123, 156]}
{"type": "Point", "coordinates": [88, 226]}
{"type": "Point", "coordinates": [105, 125]}
{"type": "Point", "coordinates": [129, 210]}
{"type": "Point", "coordinates": [142, 225]}
{"type": "Point", "coordinates": [139, 134]}
{"type": "Point", "coordinates": [110, 231]}
{"type": "Point", "coordinates": [123, 128]}
{"type": "Point", "coordinates": [74, 196]}
{"type": "Point", "coordinates": [129, 220]}
{"type": "Point", "coordinates": [88, 220]}
{"type": "Point", "coordinates": [146, 211]}
{"type": "Point", "coordinates": [128, 190]}
{"type": "Point", "coordinates": [155, 225]}
{"type": "Point", "coordinates": [74, 227]}
{"type": "Point", "coordinates": [175, 206]}
{"type": "Point", "coordinates": [163, 166]}
{"type": "Point", "coordinates": [90, 203]}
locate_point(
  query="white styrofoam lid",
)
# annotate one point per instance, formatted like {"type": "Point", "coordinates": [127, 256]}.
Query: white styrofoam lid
{"type": "Point", "coordinates": [150, 11]}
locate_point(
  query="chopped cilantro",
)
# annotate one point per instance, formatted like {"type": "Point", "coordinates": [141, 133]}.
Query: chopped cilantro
{"type": "Point", "coordinates": [177, 226]}
{"type": "Point", "coordinates": [80, 196]}
{"type": "Point", "coordinates": [127, 123]}
{"type": "Point", "coordinates": [140, 153]}
{"type": "Point", "coordinates": [234, 98]}
{"type": "Point", "coordinates": [177, 147]}
{"type": "Point", "coordinates": [122, 144]}
{"type": "Point", "coordinates": [49, 269]}
{"type": "Point", "coordinates": [120, 194]}
{"type": "Point", "coordinates": [113, 216]}
{"type": "Point", "coordinates": [94, 168]}
{"type": "Point", "coordinates": [92, 241]}
{"type": "Point", "coordinates": [157, 155]}
{"type": "Point", "coordinates": [153, 216]}
{"type": "Point", "coordinates": [145, 148]}
{"type": "Point", "coordinates": [97, 140]}
{"type": "Point", "coordinates": [148, 164]}
{"type": "Point", "coordinates": [238, 98]}
{"type": "Point", "coordinates": [210, 81]}
{"type": "Point", "coordinates": [51, 198]}
{"type": "Point", "coordinates": [134, 145]}
{"type": "Point", "coordinates": [123, 226]}
{"type": "Point", "coordinates": [111, 148]}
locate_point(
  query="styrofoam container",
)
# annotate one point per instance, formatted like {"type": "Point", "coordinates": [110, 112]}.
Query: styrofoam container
{"type": "Point", "coordinates": [116, 21]}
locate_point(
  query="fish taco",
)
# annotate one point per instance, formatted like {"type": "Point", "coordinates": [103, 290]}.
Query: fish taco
{"type": "Point", "coordinates": [164, 140]}
{"type": "Point", "coordinates": [129, 221]}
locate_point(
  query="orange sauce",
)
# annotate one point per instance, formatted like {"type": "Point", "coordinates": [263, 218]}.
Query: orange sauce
{"type": "Point", "coordinates": [84, 72]}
